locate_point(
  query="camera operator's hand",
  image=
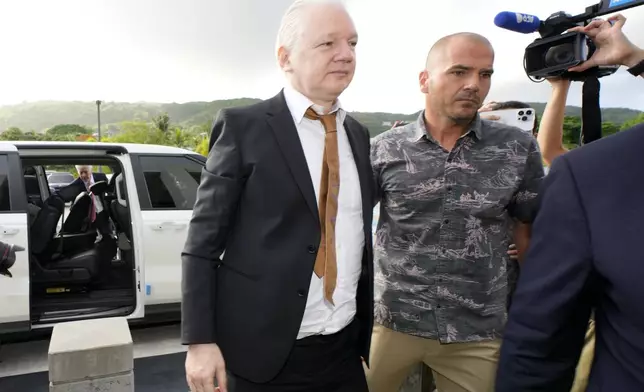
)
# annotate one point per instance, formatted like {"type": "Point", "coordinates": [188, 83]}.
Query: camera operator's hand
{"type": "Point", "coordinates": [613, 48]}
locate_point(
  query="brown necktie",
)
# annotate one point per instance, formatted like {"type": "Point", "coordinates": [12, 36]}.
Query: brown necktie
{"type": "Point", "coordinates": [325, 262]}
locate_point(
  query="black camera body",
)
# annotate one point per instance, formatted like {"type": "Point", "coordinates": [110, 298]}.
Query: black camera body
{"type": "Point", "coordinates": [553, 56]}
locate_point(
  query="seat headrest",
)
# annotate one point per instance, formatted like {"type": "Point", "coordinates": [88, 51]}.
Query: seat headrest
{"type": "Point", "coordinates": [31, 185]}
{"type": "Point", "coordinates": [98, 187]}
{"type": "Point", "coordinates": [81, 196]}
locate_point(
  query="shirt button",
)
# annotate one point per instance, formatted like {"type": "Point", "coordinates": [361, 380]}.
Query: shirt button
{"type": "Point", "coordinates": [300, 293]}
{"type": "Point", "coordinates": [311, 248]}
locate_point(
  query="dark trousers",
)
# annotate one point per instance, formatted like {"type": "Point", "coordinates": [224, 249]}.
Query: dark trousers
{"type": "Point", "coordinates": [321, 363]}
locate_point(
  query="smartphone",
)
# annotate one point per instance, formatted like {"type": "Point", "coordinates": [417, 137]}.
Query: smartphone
{"type": "Point", "coordinates": [520, 118]}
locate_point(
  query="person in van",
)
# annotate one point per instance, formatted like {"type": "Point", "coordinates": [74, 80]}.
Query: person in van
{"type": "Point", "coordinates": [86, 178]}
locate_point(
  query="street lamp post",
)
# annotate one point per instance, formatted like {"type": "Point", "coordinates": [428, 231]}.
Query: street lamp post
{"type": "Point", "coordinates": [98, 113]}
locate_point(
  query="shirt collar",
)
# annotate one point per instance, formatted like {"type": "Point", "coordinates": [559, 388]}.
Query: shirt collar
{"type": "Point", "coordinates": [420, 128]}
{"type": "Point", "coordinates": [90, 181]}
{"type": "Point", "coordinates": [298, 104]}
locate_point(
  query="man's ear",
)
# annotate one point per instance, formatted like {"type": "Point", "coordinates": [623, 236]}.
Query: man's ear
{"type": "Point", "coordinates": [284, 59]}
{"type": "Point", "coordinates": [423, 80]}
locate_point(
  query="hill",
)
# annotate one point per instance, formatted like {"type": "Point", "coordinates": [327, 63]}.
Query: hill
{"type": "Point", "coordinates": [39, 116]}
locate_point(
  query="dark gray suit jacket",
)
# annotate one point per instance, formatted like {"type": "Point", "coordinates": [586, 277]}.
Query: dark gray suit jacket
{"type": "Point", "coordinates": [585, 255]}
{"type": "Point", "coordinates": [73, 189]}
{"type": "Point", "coordinates": [256, 202]}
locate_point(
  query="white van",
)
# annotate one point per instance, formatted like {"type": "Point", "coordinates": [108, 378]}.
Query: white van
{"type": "Point", "coordinates": [69, 269]}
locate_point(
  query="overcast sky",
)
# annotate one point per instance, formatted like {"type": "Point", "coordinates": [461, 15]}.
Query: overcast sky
{"type": "Point", "coordinates": [188, 50]}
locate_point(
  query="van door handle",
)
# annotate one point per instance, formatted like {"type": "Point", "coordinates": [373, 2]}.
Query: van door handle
{"type": "Point", "coordinates": [168, 225]}
{"type": "Point", "coordinates": [9, 231]}
{"type": "Point", "coordinates": [176, 226]}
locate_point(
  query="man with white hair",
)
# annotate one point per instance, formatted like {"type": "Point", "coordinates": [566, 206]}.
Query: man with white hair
{"type": "Point", "coordinates": [286, 194]}
{"type": "Point", "coordinates": [86, 178]}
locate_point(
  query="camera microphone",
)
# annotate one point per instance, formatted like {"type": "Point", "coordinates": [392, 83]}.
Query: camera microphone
{"type": "Point", "coordinates": [519, 23]}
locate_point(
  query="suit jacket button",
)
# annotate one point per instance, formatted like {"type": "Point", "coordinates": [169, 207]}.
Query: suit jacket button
{"type": "Point", "coordinates": [300, 293]}
{"type": "Point", "coordinates": [311, 248]}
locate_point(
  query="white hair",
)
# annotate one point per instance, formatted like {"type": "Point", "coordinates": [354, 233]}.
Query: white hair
{"type": "Point", "coordinates": [79, 167]}
{"type": "Point", "coordinates": [291, 27]}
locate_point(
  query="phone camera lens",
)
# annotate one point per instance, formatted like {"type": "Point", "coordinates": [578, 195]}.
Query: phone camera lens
{"type": "Point", "coordinates": [528, 112]}
{"type": "Point", "coordinates": [521, 113]}
{"type": "Point", "coordinates": [524, 118]}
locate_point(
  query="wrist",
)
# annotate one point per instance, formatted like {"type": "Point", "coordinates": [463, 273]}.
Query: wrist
{"type": "Point", "coordinates": [561, 87]}
{"type": "Point", "coordinates": [560, 91]}
{"type": "Point", "coordinates": [633, 58]}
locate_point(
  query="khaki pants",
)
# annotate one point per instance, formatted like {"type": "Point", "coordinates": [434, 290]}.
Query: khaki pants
{"type": "Point", "coordinates": [585, 360]}
{"type": "Point", "coordinates": [457, 367]}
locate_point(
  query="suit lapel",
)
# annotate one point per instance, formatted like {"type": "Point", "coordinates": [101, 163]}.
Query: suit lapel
{"type": "Point", "coordinates": [281, 123]}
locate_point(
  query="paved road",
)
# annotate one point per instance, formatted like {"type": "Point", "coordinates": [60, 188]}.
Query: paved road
{"type": "Point", "coordinates": [158, 363]}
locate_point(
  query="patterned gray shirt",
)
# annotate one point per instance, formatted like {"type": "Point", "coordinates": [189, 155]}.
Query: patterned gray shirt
{"type": "Point", "coordinates": [446, 221]}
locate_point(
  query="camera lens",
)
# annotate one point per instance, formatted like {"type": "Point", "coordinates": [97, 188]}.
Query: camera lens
{"type": "Point", "coordinates": [528, 112]}
{"type": "Point", "coordinates": [524, 118]}
{"type": "Point", "coordinates": [560, 54]}
{"type": "Point", "coordinates": [521, 113]}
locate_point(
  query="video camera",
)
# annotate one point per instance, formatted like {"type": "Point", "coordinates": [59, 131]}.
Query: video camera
{"type": "Point", "coordinates": [559, 50]}
{"type": "Point", "coordinates": [8, 257]}
{"type": "Point", "coordinates": [554, 53]}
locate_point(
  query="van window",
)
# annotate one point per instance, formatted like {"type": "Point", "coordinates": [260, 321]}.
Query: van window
{"type": "Point", "coordinates": [171, 181]}
{"type": "Point", "coordinates": [5, 203]}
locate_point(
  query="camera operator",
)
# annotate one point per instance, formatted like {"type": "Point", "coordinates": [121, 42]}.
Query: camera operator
{"type": "Point", "coordinates": [583, 256]}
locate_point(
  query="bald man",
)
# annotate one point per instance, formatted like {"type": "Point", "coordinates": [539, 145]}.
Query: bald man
{"type": "Point", "coordinates": [450, 186]}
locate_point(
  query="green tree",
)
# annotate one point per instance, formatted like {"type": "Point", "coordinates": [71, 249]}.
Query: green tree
{"type": "Point", "coordinates": [162, 122]}
{"type": "Point", "coordinates": [138, 132]}
{"type": "Point", "coordinates": [31, 135]}
{"type": "Point", "coordinates": [67, 132]}
{"type": "Point", "coordinates": [202, 147]}
{"type": "Point", "coordinates": [571, 130]}
{"type": "Point", "coordinates": [13, 133]}
{"type": "Point", "coordinates": [634, 121]}
{"type": "Point", "coordinates": [181, 138]}
{"type": "Point", "coordinates": [609, 128]}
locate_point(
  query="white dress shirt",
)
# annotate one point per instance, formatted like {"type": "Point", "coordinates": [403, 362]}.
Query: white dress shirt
{"type": "Point", "coordinates": [320, 317]}
{"type": "Point", "coordinates": [97, 201]}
